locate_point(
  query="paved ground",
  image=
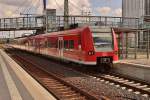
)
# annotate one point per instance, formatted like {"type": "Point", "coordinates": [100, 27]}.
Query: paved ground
{"type": "Point", "coordinates": [137, 61]}
{"type": "Point", "coordinates": [4, 92]}
{"type": "Point", "coordinates": [16, 84]}
{"type": "Point", "coordinates": [138, 69]}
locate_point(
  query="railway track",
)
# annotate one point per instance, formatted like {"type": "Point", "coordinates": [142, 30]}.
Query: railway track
{"type": "Point", "coordinates": [129, 84]}
{"type": "Point", "coordinates": [61, 89]}
{"type": "Point", "coordinates": [133, 87]}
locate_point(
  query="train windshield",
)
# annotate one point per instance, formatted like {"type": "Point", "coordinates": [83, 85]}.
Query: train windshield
{"type": "Point", "coordinates": [103, 41]}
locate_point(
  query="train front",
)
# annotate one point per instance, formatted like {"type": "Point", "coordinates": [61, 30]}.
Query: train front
{"type": "Point", "coordinates": [105, 46]}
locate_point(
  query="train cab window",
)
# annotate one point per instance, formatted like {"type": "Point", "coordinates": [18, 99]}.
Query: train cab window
{"type": "Point", "coordinates": [103, 41]}
{"type": "Point", "coordinates": [71, 44]}
{"type": "Point", "coordinates": [66, 44]}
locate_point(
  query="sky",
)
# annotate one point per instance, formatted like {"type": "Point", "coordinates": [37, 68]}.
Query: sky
{"type": "Point", "coordinates": [107, 7]}
{"type": "Point", "coordinates": [12, 8]}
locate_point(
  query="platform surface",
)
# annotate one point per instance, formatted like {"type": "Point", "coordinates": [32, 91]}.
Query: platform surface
{"type": "Point", "coordinates": [143, 62]}
{"type": "Point", "coordinates": [16, 84]}
{"type": "Point", "coordinates": [137, 69]}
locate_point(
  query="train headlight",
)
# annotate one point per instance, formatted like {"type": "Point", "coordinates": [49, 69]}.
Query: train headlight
{"type": "Point", "coordinates": [79, 47]}
{"type": "Point", "coordinates": [91, 53]}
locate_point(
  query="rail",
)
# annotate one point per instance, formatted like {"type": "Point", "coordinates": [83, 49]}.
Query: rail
{"type": "Point", "coordinates": [60, 88]}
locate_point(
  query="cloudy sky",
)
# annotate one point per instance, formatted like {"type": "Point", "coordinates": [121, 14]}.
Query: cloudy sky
{"type": "Point", "coordinates": [10, 8]}
{"type": "Point", "coordinates": [13, 8]}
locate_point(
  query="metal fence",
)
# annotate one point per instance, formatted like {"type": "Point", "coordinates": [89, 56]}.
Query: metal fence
{"type": "Point", "coordinates": [100, 21]}
{"type": "Point", "coordinates": [53, 24]}
{"type": "Point", "coordinates": [134, 45]}
{"type": "Point", "coordinates": [21, 23]}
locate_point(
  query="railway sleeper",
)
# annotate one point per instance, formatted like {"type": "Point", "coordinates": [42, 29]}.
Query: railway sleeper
{"type": "Point", "coordinates": [69, 96]}
{"type": "Point", "coordinates": [147, 89]}
{"type": "Point", "coordinates": [51, 82]}
{"type": "Point", "coordinates": [77, 98]}
{"type": "Point", "coordinates": [54, 84]}
{"type": "Point", "coordinates": [42, 76]}
{"type": "Point", "coordinates": [47, 79]}
{"type": "Point", "coordinates": [69, 93]}
{"type": "Point", "coordinates": [62, 91]}
{"type": "Point", "coordinates": [62, 88]}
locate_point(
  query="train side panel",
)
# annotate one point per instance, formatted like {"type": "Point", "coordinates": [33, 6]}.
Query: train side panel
{"type": "Point", "coordinates": [77, 45]}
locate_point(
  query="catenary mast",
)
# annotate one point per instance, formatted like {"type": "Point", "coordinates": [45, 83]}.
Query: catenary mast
{"type": "Point", "coordinates": [66, 14]}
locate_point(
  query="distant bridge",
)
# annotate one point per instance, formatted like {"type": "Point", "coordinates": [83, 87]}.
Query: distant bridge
{"type": "Point", "coordinates": [21, 23]}
{"type": "Point", "coordinates": [40, 22]}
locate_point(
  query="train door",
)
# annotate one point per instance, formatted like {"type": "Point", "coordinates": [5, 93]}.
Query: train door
{"type": "Point", "coordinates": [60, 46]}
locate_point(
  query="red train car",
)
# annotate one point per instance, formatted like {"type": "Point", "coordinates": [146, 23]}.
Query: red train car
{"type": "Point", "coordinates": [86, 45]}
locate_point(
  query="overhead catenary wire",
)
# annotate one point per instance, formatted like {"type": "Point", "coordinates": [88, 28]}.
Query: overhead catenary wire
{"type": "Point", "coordinates": [80, 8]}
{"type": "Point", "coordinates": [59, 6]}
{"type": "Point", "coordinates": [17, 10]}
{"type": "Point", "coordinates": [34, 7]}
{"type": "Point", "coordinates": [30, 7]}
{"type": "Point", "coordinates": [70, 3]}
{"type": "Point", "coordinates": [74, 5]}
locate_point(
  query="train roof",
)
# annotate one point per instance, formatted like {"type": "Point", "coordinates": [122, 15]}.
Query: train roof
{"type": "Point", "coordinates": [73, 31]}
{"type": "Point", "coordinates": [79, 29]}
{"type": "Point", "coordinates": [100, 29]}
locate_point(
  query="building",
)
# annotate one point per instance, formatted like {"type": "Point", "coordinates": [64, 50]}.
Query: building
{"type": "Point", "coordinates": [135, 8]}
{"type": "Point", "coordinates": [147, 7]}
{"type": "Point", "coordinates": [139, 9]}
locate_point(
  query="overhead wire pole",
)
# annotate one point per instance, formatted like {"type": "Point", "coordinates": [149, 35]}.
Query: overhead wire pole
{"type": "Point", "coordinates": [45, 21]}
{"type": "Point", "coordinates": [66, 14]}
{"type": "Point", "coordinates": [44, 5]}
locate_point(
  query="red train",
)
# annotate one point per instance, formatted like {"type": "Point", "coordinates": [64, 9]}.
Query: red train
{"type": "Point", "coordinates": [86, 45]}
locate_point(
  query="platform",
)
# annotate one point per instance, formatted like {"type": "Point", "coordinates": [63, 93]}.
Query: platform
{"type": "Point", "coordinates": [140, 62]}
{"type": "Point", "coordinates": [138, 68]}
{"type": "Point", "coordinates": [16, 84]}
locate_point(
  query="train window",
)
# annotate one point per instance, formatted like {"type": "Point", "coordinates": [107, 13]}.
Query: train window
{"type": "Point", "coordinates": [71, 44]}
{"type": "Point", "coordinates": [45, 44]}
{"type": "Point", "coordinates": [52, 44]}
{"type": "Point", "coordinates": [30, 43]}
{"type": "Point", "coordinates": [48, 44]}
{"type": "Point", "coordinates": [66, 44]}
